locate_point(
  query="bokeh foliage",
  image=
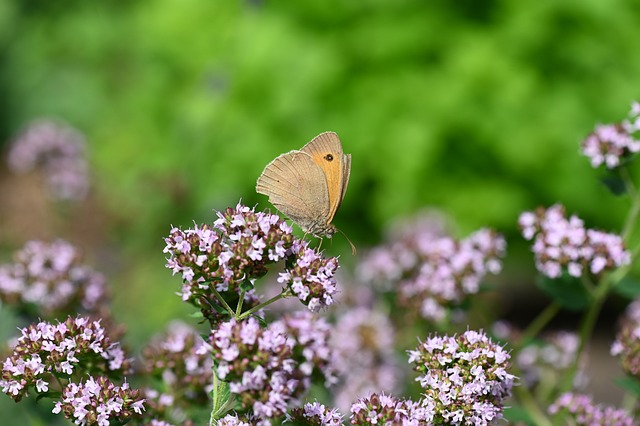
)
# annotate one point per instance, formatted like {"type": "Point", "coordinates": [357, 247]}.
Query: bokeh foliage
{"type": "Point", "coordinates": [475, 107]}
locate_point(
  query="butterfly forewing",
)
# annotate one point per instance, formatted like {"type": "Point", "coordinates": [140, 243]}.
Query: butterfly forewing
{"type": "Point", "coordinates": [296, 186]}
{"type": "Point", "coordinates": [326, 151]}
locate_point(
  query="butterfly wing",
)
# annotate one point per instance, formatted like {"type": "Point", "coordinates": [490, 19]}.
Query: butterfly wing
{"type": "Point", "coordinates": [326, 151]}
{"type": "Point", "coordinates": [296, 186]}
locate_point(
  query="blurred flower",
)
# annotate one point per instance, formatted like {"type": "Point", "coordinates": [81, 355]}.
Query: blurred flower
{"type": "Point", "coordinates": [550, 358]}
{"type": "Point", "coordinates": [182, 360]}
{"type": "Point", "coordinates": [315, 414]}
{"type": "Point", "coordinates": [257, 364]}
{"type": "Point", "coordinates": [465, 378]}
{"type": "Point", "coordinates": [311, 351]}
{"type": "Point", "coordinates": [609, 144]}
{"type": "Point", "coordinates": [46, 352]}
{"type": "Point", "coordinates": [388, 263]}
{"type": "Point", "coordinates": [432, 272]}
{"type": "Point", "coordinates": [59, 150]}
{"type": "Point", "coordinates": [49, 280]}
{"type": "Point", "coordinates": [99, 402]}
{"type": "Point", "coordinates": [387, 410]}
{"type": "Point", "coordinates": [364, 342]}
{"type": "Point", "coordinates": [627, 343]}
{"type": "Point", "coordinates": [582, 411]}
{"type": "Point", "coordinates": [236, 250]}
{"type": "Point", "coordinates": [561, 243]}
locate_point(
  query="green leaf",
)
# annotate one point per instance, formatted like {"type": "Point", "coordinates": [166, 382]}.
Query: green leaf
{"type": "Point", "coordinates": [614, 184]}
{"type": "Point", "coordinates": [567, 291]}
{"type": "Point", "coordinates": [196, 315]}
{"type": "Point", "coordinates": [517, 414]}
{"type": "Point", "coordinates": [627, 287]}
{"type": "Point", "coordinates": [247, 285]}
{"type": "Point", "coordinates": [629, 384]}
{"type": "Point", "coordinates": [222, 398]}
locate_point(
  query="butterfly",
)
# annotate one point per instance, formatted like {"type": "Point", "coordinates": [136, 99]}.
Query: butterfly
{"type": "Point", "coordinates": [308, 185]}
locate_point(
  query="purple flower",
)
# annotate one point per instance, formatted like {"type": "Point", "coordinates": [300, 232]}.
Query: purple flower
{"type": "Point", "coordinates": [610, 144]}
{"type": "Point", "coordinates": [550, 358]}
{"type": "Point", "coordinates": [311, 278]}
{"type": "Point", "coordinates": [228, 256]}
{"type": "Point", "coordinates": [465, 378]}
{"type": "Point", "coordinates": [257, 364]}
{"type": "Point", "coordinates": [98, 402]}
{"type": "Point", "coordinates": [315, 414]}
{"type": "Point", "coordinates": [46, 351]}
{"type": "Point", "coordinates": [582, 410]}
{"type": "Point", "coordinates": [60, 151]}
{"type": "Point", "coordinates": [387, 410]}
{"type": "Point", "coordinates": [565, 244]}
{"type": "Point", "coordinates": [433, 272]}
{"type": "Point", "coordinates": [49, 280]}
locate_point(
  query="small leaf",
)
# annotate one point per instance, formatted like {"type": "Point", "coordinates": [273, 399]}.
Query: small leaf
{"type": "Point", "coordinates": [568, 291]}
{"type": "Point", "coordinates": [627, 287]}
{"type": "Point", "coordinates": [517, 414]}
{"type": "Point", "coordinates": [246, 285]}
{"type": "Point", "coordinates": [614, 184]}
{"type": "Point", "coordinates": [629, 384]}
{"type": "Point", "coordinates": [223, 400]}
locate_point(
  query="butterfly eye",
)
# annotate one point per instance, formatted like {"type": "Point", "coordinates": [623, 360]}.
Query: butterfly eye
{"type": "Point", "coordinates": [328, 157]}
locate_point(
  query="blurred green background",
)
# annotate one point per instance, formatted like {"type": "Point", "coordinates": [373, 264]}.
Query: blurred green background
{"type": "Point", "coordinates": [474, 107]}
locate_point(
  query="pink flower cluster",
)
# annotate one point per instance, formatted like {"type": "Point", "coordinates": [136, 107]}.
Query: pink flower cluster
{"type": "Point", "coordinates": [583, 412]}
{"type": "Point", "coordinates": [270, 369]}
{"type": "Point", "coordinates": [239, 248]}
{"type": "Point", "coordinates": [433, 272]}
{"type": "Point", "coordinates": [610, 144]}
{"type": "Point", "coordinates": [565, 244]}
{"type": "Point", "coordinates": [550, 357]}
{"type": "Point", "coordinates": [311, 278]}
{"type": "Point", "coordinates": [464, 378]}
{"type": "Point", "coordinates": [388, 410]}
{"type": "Point", "coordinates": [99, 402]}
{"type": "Point", "coordinates": [627, 343]}
{"type": "Point", "coordinates": [60, 151]}
{"type": "Point", "coordinates": [257, 364]}
{"type": "Point", "coordinates": [49, 279]}
{"type": "Point", "coordinates": [48, 351]}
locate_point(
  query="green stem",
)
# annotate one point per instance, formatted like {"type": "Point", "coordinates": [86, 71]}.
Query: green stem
{"type": "Point", "coordinates": [215, 397]}
{"type": "Point", "coordinates": [221, 300]}
{"type": "Point", "coordinates": [632, 217]}
{"type": "Point", "coordinates": [586, 327]}
{"type": "Point", "coordinates": [528, 402]}
{"type": "Point", "coordinates": [538, 324]}
{"type": "Point", "coordinates": [240, 301]}
{"type": "Point", "coordinates": [263, 304]}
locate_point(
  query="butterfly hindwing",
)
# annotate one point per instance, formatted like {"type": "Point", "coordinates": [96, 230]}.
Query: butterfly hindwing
{"type": "Point", "coordinates": [326, 151]}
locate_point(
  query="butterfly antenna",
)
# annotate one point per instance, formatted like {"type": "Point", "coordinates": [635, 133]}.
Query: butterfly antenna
{"type": "Point", "coordinates": [353, 248]}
